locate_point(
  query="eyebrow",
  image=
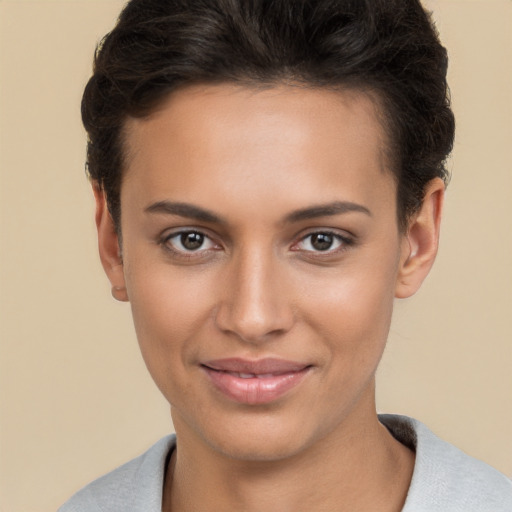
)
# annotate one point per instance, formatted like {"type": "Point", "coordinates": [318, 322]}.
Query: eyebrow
{"type": "Point", "coordinates": [326, 210]}
{"type": "Point", "coordinates": [196, 213]}
{"type": "Point", "coordinates": [186, 210]}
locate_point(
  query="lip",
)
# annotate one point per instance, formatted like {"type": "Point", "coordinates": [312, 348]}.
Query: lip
{"type": "Point", "coordinates": [255, 382]}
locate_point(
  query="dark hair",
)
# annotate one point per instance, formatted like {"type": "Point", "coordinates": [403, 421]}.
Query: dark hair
{"type": "Point", "coordinates": [389, 48]}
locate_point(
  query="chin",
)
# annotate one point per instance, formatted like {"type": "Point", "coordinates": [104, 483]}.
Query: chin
{"type": "Point", "coordinates": [259, 447]}
{"type": "Point", "coordinates": [262, 437]}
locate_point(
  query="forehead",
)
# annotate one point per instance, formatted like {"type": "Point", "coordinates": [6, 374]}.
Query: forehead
{"type": "Point", "coordinates": [252, 141]}
{"type": "Point", "coordinates": [210, 109]}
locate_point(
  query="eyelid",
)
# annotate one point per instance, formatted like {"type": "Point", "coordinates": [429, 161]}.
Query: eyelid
{"type": "Point", "coordinates": [164, 242]}
{"type": "Point", "coordinates": [206, 239]}
{"type": "Point", "coordinates": [346, 240]}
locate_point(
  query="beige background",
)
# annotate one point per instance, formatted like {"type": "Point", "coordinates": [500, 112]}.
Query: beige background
{"type": "Point", "coordinates": [75, 397]}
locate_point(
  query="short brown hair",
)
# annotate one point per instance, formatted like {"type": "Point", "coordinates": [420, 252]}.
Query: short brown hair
{"type": "Point", "coordinates": [388, 47]}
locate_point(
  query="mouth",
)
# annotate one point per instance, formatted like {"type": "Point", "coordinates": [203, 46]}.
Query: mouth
{"type": "Point", "coordinates": [255, 382]}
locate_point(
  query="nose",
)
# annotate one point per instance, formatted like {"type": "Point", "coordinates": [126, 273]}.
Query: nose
{"type": "Point", "coordinates": [255, 307]}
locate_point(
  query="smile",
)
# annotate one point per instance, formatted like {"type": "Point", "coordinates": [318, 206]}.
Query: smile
{"type": "Point", "coordinates": [255, 382]}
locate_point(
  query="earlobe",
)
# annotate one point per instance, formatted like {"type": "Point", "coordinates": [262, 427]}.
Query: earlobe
{"type": "Point", "coordinates": [421, 241]}
{"type": "Point", "coordinates": [108, 245]}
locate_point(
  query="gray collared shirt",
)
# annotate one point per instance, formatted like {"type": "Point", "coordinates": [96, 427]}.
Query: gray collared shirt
{"type": "Point", "coordinates": [444, 480]}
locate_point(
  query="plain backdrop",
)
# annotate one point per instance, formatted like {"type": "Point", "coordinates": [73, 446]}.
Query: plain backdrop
{"type": "Point", "coordinates": [75, 397]}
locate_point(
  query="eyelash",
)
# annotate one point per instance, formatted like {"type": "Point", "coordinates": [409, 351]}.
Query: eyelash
{"type": "Point", "coordinates": [344, 242]}
{"type": "Point", "coordinates": [165, 242]}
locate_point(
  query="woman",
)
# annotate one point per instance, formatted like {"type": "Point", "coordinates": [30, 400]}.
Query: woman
{"type": "Point", "coordinates": [268, 177]}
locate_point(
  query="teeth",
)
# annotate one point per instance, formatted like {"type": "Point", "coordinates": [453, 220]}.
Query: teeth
{"type": "Point", "coordinates": [246, 375]}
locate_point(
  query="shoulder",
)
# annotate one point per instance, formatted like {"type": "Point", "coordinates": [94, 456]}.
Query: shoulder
{"type": "Point", "coordinates": [445, 478]}
{"type": "Point", "coordinates": [134, 486]}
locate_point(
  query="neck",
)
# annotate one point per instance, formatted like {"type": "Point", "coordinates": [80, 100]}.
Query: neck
{"type": "Point", "coordinates": [355, 468]}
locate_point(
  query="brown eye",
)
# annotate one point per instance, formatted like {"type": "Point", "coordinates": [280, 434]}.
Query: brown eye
{"type": "Point", "coordinates": [192, 241]}
{"type": "Point", "coordinates": [322, 241]}
{"type": "Point", "coordinates": [188, 242]}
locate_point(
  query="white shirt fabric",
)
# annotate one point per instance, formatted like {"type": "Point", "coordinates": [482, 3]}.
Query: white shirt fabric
{"type": "Point", "coordinates": [444, 479]}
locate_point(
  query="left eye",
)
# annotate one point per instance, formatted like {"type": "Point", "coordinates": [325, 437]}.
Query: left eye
{"type": "Point", "coordinates": [189, 241]}
{"type": "Point", "coordinates": [321, 242]}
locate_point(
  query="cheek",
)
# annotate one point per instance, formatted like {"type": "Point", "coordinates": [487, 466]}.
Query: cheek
{"type": "Point", "coordinates": [163, 295]}
{"type": "Point", "coordinates": [169, 311]}
{"type": "Point", "coordinates": [352, 309]}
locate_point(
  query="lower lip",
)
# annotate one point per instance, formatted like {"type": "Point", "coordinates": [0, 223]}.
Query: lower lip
{"type": "Point", "coordinates": [255, 390]}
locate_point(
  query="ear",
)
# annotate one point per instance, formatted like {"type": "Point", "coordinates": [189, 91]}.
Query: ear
{"type": "Point", "coordinates": [108, 244]}
{"type": "Point", "coordinates": [420, 243]}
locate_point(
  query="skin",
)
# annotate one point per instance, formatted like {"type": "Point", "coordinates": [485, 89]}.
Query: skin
{"type": "Point", "coordinates": [258, 287]}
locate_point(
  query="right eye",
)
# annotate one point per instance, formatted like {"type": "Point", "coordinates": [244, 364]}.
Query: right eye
{"type": "Point", "coordinates": [188, 242]}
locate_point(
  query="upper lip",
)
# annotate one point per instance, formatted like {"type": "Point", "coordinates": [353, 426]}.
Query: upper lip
{"type": "Point", "coordinates": [258, 367]}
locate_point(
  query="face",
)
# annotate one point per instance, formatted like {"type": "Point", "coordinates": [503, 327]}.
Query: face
{"type": "Point", "coordinates": [261, 257]}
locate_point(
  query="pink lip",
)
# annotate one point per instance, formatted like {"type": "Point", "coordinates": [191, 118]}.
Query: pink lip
{"type": "Point", "coordinates": [255, 382]}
